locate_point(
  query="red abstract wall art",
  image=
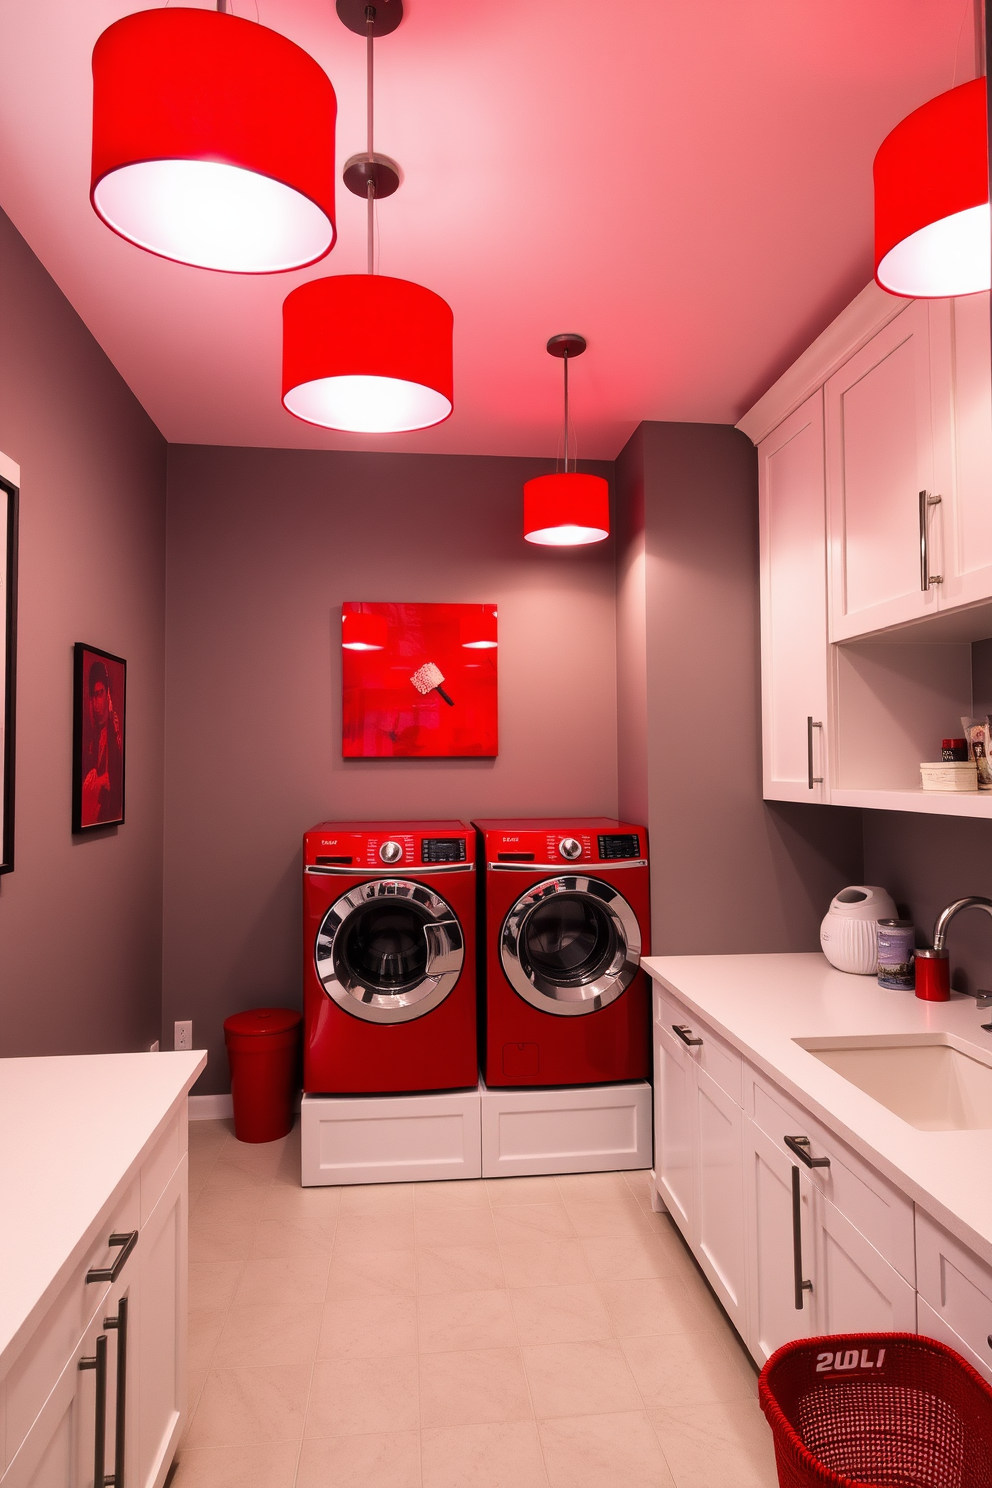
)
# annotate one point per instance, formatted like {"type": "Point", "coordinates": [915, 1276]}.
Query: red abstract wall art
{"type": "Point", "coordinates": [419, 680]}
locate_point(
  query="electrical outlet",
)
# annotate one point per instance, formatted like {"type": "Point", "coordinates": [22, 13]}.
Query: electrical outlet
{"type": "Point", "coordinates": [153, 1048]}
{"type": "Point", "coordinates": [184, 1035]}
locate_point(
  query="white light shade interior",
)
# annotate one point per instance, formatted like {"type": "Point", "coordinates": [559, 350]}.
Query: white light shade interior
{"type": "Point", "coordinates": [566, 536]}
{"type": "Point", "coordinates": [213, 216]}
{"type": "Point", "coordinates": [949, 257]}
{"type": "Point", "coordinates": [359, 646]}
{"type": "Point", "coordinates": [478, 645]}
{"type": "Point", "coordinates": [367, 405]}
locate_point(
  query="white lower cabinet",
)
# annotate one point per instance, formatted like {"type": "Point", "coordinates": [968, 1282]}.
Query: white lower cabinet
{"type": "Point", "coordinates": [955, 1294]}
{"type": "Point", "coordinates": [71, 1422]}
{"type": "Point", "coordinates": [791, 1250]}
{"type": "Point", "coordinates": [699, 1132]}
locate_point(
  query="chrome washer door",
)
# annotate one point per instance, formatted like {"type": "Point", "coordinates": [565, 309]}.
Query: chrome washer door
{"type": "Point", "coordinates": [570, 945]}
{"type": "Point", "coordinates": [389, 951]}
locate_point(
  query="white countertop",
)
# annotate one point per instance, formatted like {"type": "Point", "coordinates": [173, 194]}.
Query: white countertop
{"type": "Point", "coordinates": [70, 1128]}
{"type": "Point", "coordinates": [761, 1004]}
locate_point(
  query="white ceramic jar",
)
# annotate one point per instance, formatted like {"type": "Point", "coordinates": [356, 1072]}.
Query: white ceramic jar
{"type": "Point", "coordinates": [849, 932]}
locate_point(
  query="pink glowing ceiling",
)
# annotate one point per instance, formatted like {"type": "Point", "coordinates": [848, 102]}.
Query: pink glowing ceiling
{"type": "Point", "coordinates": [685, 182]}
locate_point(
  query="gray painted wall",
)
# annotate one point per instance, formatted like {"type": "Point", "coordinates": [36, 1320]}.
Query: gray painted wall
{"type": "Point", "coordinates": [263, 547]}
{"type": "Point", "coordinates": [80, 921]}
{"type": "Point", "coordinates": [729, 872]}
{"type": "Point", "coordinates": [926, 862]}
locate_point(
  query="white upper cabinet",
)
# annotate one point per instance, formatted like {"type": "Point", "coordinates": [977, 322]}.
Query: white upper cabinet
{"type": "Point", "coordinates": [961, 371]}
{"type": "Point", "coordinates": [794, 692]}
{"type": "Point", "coordinates": [879, 458]}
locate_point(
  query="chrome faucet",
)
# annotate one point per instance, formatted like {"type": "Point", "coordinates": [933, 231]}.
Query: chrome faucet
{"type": "Point", "coordinates": [971, 901]}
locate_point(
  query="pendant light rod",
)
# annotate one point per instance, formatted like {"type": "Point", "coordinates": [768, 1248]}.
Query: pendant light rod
{"type": "Point", "coordinates": [570, 344]}
{"type": "Point", "coordinates": [369, 123]}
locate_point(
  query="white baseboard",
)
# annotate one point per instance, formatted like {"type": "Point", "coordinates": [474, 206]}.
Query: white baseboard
{"type": "Point", "coordinates": [210, 1107]}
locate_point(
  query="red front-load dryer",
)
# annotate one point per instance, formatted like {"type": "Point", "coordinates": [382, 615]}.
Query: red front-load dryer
{"type": "Point", "coordinates": [567, 916]}
{"type": "Point", "coordinates": [389, 957]}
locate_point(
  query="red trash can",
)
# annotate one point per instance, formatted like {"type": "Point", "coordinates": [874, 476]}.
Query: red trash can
{"type": "Point", "coordinates": [263, 1050]}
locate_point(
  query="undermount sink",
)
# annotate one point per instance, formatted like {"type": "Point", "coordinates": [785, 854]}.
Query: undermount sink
{"type": "Point", "coordinates": [924, 1078]}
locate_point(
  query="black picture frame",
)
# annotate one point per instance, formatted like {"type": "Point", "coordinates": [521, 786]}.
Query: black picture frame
{"type": "Point", "coordinates": [9, 500]}
{"type": "Point", "coordinates": [98, 745]}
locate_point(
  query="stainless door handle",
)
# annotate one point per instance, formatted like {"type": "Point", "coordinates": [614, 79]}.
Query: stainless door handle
{"type": "Point", "coordinates": [926, 577]}
{"type": "Point", "coordinates": [800, 1147]}
{"type": "Point", "coordinates": [801, 1285]}
{"type": "Point", "coordinates": [685, 1033]}
{"type": "Point", "coordinates": [111, 1273]}
{"type": "Point", "coordinates": [99, 1363]}
{"type": "Point", "coordinates": [811, 724]}
{"type": "Point", "coordinates": [120, 1433]}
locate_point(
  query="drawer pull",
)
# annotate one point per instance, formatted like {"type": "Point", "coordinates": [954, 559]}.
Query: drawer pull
{"type": "Point", "coordinates": [99, 1363]}
{"type": "Point", "coordinates": [797, 1242]}
{"type": "Point", "coordinates": [800, 1147]}
{"type": "Point", "coordinates": [111, 1273]}
{"type": "Point", "coordinates": [116, 1478]}
{"type": "Point", "coordinates": [685, 1033]}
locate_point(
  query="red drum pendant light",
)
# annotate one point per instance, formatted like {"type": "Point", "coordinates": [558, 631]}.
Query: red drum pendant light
{"type": "Point", "coordinates": [568, 508]}
{"type": "Point", "coordinates": [362, 630]}
{"type": "Point", "coordinates": [213, 141]}
{"type": "Point", "coordinates": [363, 352]}
{"type": "Point", "coordinates": [932, 199]}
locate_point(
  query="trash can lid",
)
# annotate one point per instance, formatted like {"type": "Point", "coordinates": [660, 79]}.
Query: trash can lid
{"type": "Point", "coordinates": [263, 1020]}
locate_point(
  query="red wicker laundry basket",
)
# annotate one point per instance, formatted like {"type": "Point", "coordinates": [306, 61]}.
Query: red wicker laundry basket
{"type": "Point", "coordinates": [893, 1410]}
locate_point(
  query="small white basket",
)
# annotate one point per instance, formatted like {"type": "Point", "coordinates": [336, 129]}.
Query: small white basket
{"type": "Point", "coordinates": [950, 775]}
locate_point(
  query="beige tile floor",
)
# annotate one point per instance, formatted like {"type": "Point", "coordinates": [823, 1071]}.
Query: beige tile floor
{"type": "Point", "coordinates": [514, 1333]}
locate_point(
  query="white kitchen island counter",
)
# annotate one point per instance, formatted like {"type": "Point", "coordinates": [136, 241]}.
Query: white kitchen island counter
{"type": "Point", "coordinates": [761, 1004]}
{"type": "Point", "coordinates": [92, 1155]}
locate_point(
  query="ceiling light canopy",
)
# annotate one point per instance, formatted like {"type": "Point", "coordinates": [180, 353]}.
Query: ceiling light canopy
{"type": "Point", "coordinates": [568, 508]}
{"type": "Point", "coordinates": [362, 352]}
{"type": "Point", "coordinates": [213, 141]}
{"type": "Point", "coordinates": [932, 199]}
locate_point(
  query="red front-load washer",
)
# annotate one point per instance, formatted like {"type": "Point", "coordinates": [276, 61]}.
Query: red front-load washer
{"type": "Point", "coordinates": [389, 957]}
{"type": "Point", "coordinates": [567, 916]}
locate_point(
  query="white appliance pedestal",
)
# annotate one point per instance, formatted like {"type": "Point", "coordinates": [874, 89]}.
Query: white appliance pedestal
{"type": "Point", "coordinates": [570, 1129]}
{"type": "Point", "coordinates": [390, 1138]}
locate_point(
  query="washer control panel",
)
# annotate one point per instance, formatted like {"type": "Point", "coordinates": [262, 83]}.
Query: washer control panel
{"type": "Point", "coordinates": [570, 849]}
{"type": "Point", "coordinates": [391, 851]}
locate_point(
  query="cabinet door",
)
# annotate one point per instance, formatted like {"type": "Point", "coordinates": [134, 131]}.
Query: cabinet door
{"type": "Point", "coordinates": [772, 1316]}
{"type": "Point", "coordinates": [59, 1450]}
{"type": "Point", "coordinates": [161, 1333]}
{"type": "Point", "coordinates": [962, 392]}
{"type": "Point", "coordinates": [855, 1290]}
{"type": "Point", "coordinates": [674, 1080]}
{"type": "Point", "coordinates": [879, 457]}
{"type": "Point", "coordinates": [793, 542]}
{"type": "Point", "coordinates": [719, 1229]}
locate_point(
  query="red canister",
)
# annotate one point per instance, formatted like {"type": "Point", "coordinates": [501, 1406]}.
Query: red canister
{"type": "Point", "coordinates": [933, 976]}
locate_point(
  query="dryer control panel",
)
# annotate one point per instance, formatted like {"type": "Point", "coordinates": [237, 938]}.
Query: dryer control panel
{"type": "Point", "coordinates": [566, 843]}
{"type": "Point", "coordinates": [392, 846]}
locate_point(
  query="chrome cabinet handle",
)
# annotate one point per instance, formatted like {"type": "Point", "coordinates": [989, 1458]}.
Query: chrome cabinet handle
{"type": "Point", "coordinates": [811, 724]}
{"type": "Point", "coordinates": [111, 1273]}
{"type": "Point", "coordinates": [926, 577]}
{"type": "Point", "coordinates": [120, 1433]}
{"type": "Point", "coordinates": [801, 1285]}
{"type": "Point", "coordinates": [685, 1033]}
{"type": "Point", "coordinates": [800, 1147]}
{"type": "Point", "coordinates": [99, 1363]}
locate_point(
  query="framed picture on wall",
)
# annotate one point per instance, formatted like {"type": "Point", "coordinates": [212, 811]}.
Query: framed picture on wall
{"type": "Point", "coordinates": [419, 681]}
{"type": "Point", "coordinates": [98, 721]}
{"type": "Point", "coordinates": [8, 637]}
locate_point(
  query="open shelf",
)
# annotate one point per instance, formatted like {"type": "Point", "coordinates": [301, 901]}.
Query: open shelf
{"type": "Point", "coordinates": [931, 803]}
